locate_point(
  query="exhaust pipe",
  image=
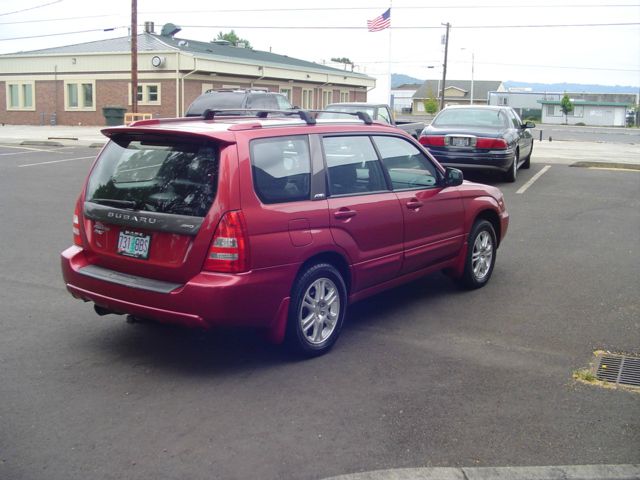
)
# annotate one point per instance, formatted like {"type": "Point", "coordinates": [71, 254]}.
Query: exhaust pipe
{"type": "Point", "coordinates": [102, 311]}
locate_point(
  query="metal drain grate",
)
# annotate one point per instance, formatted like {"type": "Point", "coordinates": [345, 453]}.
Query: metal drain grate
{"type": "Point", "coordinates": [619, 369]}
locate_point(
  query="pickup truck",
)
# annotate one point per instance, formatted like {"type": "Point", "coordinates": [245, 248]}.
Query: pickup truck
{"type": "Point", "coordinates": [377, 111]}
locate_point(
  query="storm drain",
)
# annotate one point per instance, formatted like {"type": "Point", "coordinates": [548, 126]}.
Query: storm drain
{"type": "Point", "coordinates": [619, 369]}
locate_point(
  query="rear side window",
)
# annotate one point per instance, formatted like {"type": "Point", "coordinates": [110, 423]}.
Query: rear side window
{"type": "Point", "coordinates": [281, 169]}
{"type": "Point", "coordinates": [353, 165]}
{"type": "Point", "coordinates": [155, 174]}
{"type": "Point", "coordinates": [262, 100]}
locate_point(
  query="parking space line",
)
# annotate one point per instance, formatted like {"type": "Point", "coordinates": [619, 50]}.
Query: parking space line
{"type": "Point", "coordinates": [28, 149]}
{"type": "Point", "coordinates": [55, 161]}
{"type": "Point", "coordinates": [533, 179]}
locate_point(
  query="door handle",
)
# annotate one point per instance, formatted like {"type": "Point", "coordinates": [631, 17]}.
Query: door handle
{"type": "Point", "coordinates": [414, 204]}
{"type": "Point", "coordinates": [344, 213]}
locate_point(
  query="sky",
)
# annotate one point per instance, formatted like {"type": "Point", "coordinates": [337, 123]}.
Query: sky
{"type": "Point", "coordinates": [499, 40]}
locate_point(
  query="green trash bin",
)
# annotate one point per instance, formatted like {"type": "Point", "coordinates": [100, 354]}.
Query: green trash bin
{"type": "Point", "coordinates": [113, 115]}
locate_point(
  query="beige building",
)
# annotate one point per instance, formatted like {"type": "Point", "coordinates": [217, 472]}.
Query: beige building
{"type": "Point", "coordinates": [456, 92]}
{"type": "Point", "coordinates": [71, 85]}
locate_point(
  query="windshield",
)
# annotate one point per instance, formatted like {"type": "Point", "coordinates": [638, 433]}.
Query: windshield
{"type": "Point", "coordinates": [156, 174]}
{"type": "Point", "coordinates": [471, 117]}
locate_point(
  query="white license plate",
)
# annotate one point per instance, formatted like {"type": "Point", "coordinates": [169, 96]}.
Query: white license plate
{"type": "Point", "coordinates": [459, 141]}
{"type": "Point", "coordinates": [134, 244]}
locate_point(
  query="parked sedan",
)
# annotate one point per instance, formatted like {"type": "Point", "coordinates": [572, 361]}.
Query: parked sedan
{"type": "Point", "coordinates": [480, 137]}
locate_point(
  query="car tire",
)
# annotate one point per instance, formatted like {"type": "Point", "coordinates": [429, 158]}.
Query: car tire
{"type": "Point", "coordinates": [317, 310]}
{"type": "Point", "coordinates": [481, 255]}
{"type": "Point", "coordinates": [527, 163]}
{"type": "Point", "coordinates": [511, 174]}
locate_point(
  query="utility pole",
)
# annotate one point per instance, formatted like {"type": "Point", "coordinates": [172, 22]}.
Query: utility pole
{"type": "Point", "coordinates": [134, 56]}
{"type": "Point", "coordinates": [444, 65]}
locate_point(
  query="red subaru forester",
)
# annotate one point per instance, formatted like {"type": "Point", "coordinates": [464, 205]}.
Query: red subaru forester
{"type": "Point", "coordinates": [274, 223]}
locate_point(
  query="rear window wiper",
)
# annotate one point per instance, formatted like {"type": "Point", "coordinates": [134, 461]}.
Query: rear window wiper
{"type": "Point", "coordinates": [128, 204]}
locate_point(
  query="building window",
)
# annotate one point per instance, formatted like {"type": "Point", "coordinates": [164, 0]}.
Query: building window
{"type": "Point", "coordinates": [344, 97]}
{"type": "Point", "coordinates": [287, 93]}
{"type": "Point", "coordinates": [307, 99]}
{"type": "Point", "coordinates": [20, 96]}
{"type": "Point", "coordinates": [578, 111]}
{"type": "Point", "coordinates": [79, 95]}
{"type": "Point", "coordinates": [327, 97]}
{"type": "Point", "coordinates": [148, 94]}
{"type": "Point", "coordinates": [504, 101]}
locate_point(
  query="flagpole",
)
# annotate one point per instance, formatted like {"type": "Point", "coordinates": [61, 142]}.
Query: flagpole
{"type": "Point", "coordinates": [389, 57]}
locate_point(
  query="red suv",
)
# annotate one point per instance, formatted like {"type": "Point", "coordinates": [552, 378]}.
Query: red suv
{"type": "Point", "coordinates": [273, 223]}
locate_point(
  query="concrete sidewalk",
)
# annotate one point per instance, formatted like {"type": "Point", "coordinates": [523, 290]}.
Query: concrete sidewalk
{"type": "Point", "coordinates": [555, 152]}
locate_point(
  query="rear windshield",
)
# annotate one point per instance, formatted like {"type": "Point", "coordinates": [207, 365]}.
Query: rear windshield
{"type": "Point", "coordinates": [175, 176]}
{"type": "Point", "coordinates": [216, 101]}
{"type": "Point", "coordinates": [472, 117]}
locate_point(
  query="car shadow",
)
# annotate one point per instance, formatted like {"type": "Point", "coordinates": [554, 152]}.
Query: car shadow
{"type": "Point", "coordinates": [240, 351]}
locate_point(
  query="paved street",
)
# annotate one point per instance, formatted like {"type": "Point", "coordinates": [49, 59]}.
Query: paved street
{"type": "Point", "coordinates": [423, 376]}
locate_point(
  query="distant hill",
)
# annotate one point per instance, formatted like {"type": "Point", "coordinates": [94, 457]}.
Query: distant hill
{"type": "Point", "coordinates": [398, 79]}
{"type": "Point", "coordinates": [571, 87]}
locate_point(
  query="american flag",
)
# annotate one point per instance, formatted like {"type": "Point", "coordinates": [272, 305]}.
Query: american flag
{"type": "Point", "coordinates": [381, 22]}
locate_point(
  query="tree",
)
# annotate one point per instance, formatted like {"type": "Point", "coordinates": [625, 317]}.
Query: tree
{"type": "Point", "coordinates": [567, 107]}
{"type": "Point", "coordinates": [233, 39]}
{"type": "Point", "coordinates": [344, 60]}
{"type": "Point", "coordinates": [430, 103]}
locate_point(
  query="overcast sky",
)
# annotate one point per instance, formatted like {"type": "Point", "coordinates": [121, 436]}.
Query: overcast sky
{"type": "Point", "coordinates": [317, 31]}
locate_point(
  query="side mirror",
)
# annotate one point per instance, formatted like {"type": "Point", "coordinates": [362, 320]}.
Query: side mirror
{"type": "Point", "coordinates": [452, 177]}
{"type": "Point", "coordinates": [528, 125]}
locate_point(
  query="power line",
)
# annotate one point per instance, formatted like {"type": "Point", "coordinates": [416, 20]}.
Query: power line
{"type": "Point", "coordinates": [422, 27]}
{"type": "Point", "coordinates": [313, 9]}
{"type": "Point", "coordinates": [30, 8]}
{"type": "Point", "coordinates": [64, 33]}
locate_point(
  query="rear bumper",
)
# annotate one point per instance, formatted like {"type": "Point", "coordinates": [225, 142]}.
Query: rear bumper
{"type": "Point", "coordinates": [209, 299]}
{"type": "Point", "coordinates": [486, 160]}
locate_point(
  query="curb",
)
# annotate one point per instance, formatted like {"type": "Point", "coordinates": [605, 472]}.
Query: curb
{"type": "Point", "coordinates": [573, 472]}
{"type": "Point", "coordinates": [41, 143]}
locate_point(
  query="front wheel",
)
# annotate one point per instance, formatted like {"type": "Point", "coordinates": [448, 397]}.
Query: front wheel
{"type": "Point", "coordinates": [317, 310]}
{"type": "Point", "coordinates": [481, 255]}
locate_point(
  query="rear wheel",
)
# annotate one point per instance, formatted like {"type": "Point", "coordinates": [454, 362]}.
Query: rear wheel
{"type": "Point", "coordinates": [512, 173]}
{"type": "Point", "coordinates": [316, 313]}
{"type": "Point", "coordinates": [481, 255]}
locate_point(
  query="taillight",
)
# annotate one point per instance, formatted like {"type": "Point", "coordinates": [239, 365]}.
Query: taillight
{"type": "Point", "coordinates": [432, 140]}
{"type": "Point", "coordinates": [77, 239]}
{"type": "Point", "coordinates": [229, 250]}
{"type": "Point", "coordinates": [491, 143]}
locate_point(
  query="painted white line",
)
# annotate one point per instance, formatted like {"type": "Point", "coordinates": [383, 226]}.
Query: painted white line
{"type": "Point", "coordinates": [30, 149]}
{"type": "Point", "coordinates": [55, 161]}
{"type": "Point", "coordinates": [533, 179]}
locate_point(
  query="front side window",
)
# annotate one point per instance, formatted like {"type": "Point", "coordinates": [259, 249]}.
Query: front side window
{"type": "Point", "coordinates": [281, 169]}
{"type": "Point", "coordinates": [20, 96]}
{"type": "Point", "coordinates": [79, 95]}
{"type": "Point", "coordinates": [353, 166]}
{"type": "Point", "coordinates": [407, 167]}
{"type": "Point", "coordinates": [156, 174]}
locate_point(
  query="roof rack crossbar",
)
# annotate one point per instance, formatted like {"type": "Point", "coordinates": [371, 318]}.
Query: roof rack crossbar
{"type": "Point", "coordinates": [210, 114]}
{"type": "Point", "coordinates": [364, 116]}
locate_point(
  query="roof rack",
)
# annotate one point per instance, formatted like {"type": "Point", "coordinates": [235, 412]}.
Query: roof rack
{"type": "Point", "coordinates": [210, 114]}
{"type": "Point", "coordinates": [364, 116]}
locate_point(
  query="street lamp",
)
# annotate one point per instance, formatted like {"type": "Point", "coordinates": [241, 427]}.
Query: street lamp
{"type": "Point", "coordinates": [472, 68]}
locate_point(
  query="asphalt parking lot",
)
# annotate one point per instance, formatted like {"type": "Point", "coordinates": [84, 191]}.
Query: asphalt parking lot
{"type": "Point", "coordinates": [423, 376]}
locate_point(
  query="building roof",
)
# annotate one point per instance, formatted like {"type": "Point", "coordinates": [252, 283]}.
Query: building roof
{"type": "Point", "coordinates": [150, 42]}
{"type": "Point", "coordinates": [481, 88]}
{"type": "Point", "coordinates": [577, 103]}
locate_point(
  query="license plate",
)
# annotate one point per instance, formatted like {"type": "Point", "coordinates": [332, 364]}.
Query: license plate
{"type": "Point", "coordinates": [459, 141]}
{"type": "Point", "coordinates": [134, 244]}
